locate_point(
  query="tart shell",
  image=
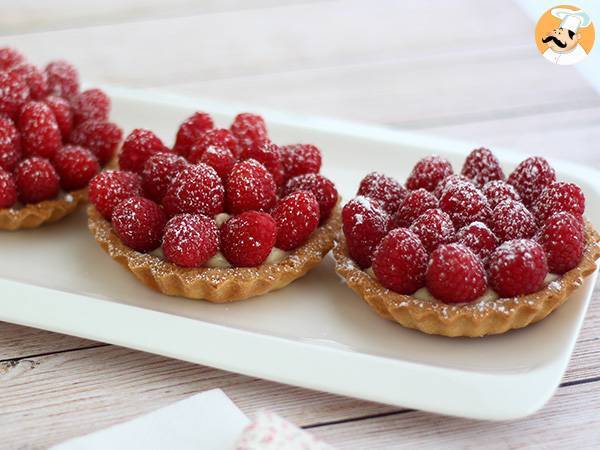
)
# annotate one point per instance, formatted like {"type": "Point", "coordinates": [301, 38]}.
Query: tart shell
{"type": "Point", "coordinates": [476, 319]}
{"type": "Point", "coordinates": [217, 285]}
{"type": "Point", "coordinates": [37, 214]}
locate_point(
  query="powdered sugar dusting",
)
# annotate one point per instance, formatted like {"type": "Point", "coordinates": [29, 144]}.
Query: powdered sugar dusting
{"type": "Point", "coordinates": [428, 172]}
{"type": "Point", "coordinates": [479, 238]}
{"type": "Point", "coordinates": [511, 220]}
{"type": "Point", "coordinates": [530, 178]}
{"type": "Point", "coordinates": [365, 224]}
{"type": "Point", "coordinates": [250, 186]}
{"type": "Point", "coordinates": [413, 205]}
{"type": "Point", "coordinates": [383, 188]}
{"type": "Point", "coordinates": [434, 228]}
{"type": "Point", "coordinates": [497, 191]}
{"type": "Point", "coordinates": [482, 166]}
{"type": "Point", "coordinates": [14, 92]}
{"type": "Point", "coordinates": [196, 189]}
{"type": "Point", "coordinates": [464, 203]}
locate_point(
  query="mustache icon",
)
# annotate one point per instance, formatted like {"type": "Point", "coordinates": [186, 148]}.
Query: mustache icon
{"type": "Point", "coordinates": [555, 40]}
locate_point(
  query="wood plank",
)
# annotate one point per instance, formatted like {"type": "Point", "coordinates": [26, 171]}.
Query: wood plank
{"type": "Point", "coordinates": [33, 16]}
{"type": "Point", "coordinates": [42, 398]}
{"type": "Point", "coordinates": [559, 134]}
{"type": "Point", "coordinates": [364, 70]}
{"type": "Point", "coordinates": [570, 420]}
{"type": "Point", "coordinates": [585, 361]}
{"type": "Point", "coordinates": [18, 342]}
{"type": "Point", "coordinates": [415, 93]}
{"type": "Point", "coordinates": [249, 42]}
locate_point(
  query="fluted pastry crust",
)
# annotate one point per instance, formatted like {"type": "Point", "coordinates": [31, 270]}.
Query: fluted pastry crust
{"type": "Point", "coordinates": [38, 214]}
{"type": "Point", "coordinates": [475, 319]}
{"type": "Point", "coordinates": [217, 285]}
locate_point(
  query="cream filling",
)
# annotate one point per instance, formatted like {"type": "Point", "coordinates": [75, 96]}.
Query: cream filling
{"type": "Point", "coordinates": [488, 295]}
{"type": "Point", "coordinates": [62, 195]}
{"type": "Point", "coordinates": [220, 219]}
{"type": "Point", "coordinates": [219, 260]}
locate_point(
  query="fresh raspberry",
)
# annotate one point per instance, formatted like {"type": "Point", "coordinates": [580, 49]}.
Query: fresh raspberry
{"type": "Point", "coordinates": [159, 170]}
{"type": "Point", "coordinates": [531, 177]}
{"type": "Point", "coordinates": [479, 238]}
{"type": "Point", "coordinates": [365, 223]}
{"type": "Point", "coordinates": [62, 113]}
{"type": "Point", "coordinates": [559, 196]}
{"type": "Point", "coordinates": [517, 267]}
{"type": "Point", "coordinates": [249, 129]}
{"type": "Point", "coordinates": [190, 240]}
{"type": "Point", "coordinates": [497, 191]}
{"type": "Point", "coordinates": [92, 104]}
{"type": "Point", "coordinates": [217, 137]}
{"type": "Point", "coordinates": [63, 79]}
{"type": "Point", "coordinates": [383, 188]}
{"type": "Point", "coordinates": [139, 223]}
{"type": "Point", "coordinates": [482, 166]}
{"type": "Point", "coordinates": [563, 240]}
{"type": "Point", "coordinates": [76, 166]}
{"type": "Point", "coordinates": [450, 180]}
{"type": "Point", "coordinates": [299, 159]}
{"type": "Point", "coordinates": [108, 189]}
{"type": "Point", "coordinates": [414, 204]}
{"type": "Point", "coordinates": [10, 144]}
{"type": "Point", "coordinates": [9, 57]}
{"type": "Point", "coordinates": [138, 146]}
{"type": "Point", "coordinates": [434, 228]}
{"type": "Point", "coordinates": [455, 274]}
{"type": "Point", "coordinates": [190, 131]}
{"type": "Point", "coordinates": [196, 189]}
{"type": "Point", "coordinates": [219, 158]}
{"type": "Point", "coordinates": [400, 261]}
{"type": "Point", "coordinates": [101, 138]}
{"type": "Point", "coordinates": [40, 135]}
{"type": "Point", "coordinates": [250, 186]}
{"type": "Point", "coordinates": [8, 189]}
{"type": "Point", "coordinates": [428, 173]}
{"type": "Point", "coordinates": [322, 188]}
{"type": "Point", "coordinates": [14, 93]}
{"type": "Point", "coordinates": [268, 155]}
{"type": "Point", "coordinates": [511, 220]}
{"type": "Point", "coordinates": [34, 78]}
{"type": "Point", "coordinates": [296, 216]}
{"type": "Point", "coordinates": [36, 180]}
{"type": "Point", "coordinates": [464, 203]}
{"type": "Point", "coordinates": [247, 239]}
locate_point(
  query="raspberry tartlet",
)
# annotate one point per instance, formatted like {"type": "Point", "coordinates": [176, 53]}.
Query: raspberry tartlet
{"type": "Point", "coordinates": [468, 254]}
{"type": "Point", "coordinates": [47, 153]}
{"type": "Point", "coordinates": [224, 215]}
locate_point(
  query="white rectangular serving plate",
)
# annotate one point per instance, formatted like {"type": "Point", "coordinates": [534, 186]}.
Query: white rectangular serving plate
{"type": "Point", "coordinates": [316, 333]}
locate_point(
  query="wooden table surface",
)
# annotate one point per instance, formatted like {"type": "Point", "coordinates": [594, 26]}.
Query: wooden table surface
{"type": "Point", "coordinates": [464, 69]}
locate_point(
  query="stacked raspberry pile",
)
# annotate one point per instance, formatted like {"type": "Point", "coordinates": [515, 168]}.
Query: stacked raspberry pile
{"type": "Point", "coordinates": [51, 135]}
{"type": "Point", "coordinates": [217, 190]}
{"type": "Point", "coordinates": [458, 235]}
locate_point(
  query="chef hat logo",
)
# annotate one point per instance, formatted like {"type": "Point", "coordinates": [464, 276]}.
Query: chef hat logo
{"type": "Point", "coordinates": [565, 34]}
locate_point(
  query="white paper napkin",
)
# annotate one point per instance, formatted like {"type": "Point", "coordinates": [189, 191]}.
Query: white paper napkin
{"type": "Point", "coordinates": [209, 420]}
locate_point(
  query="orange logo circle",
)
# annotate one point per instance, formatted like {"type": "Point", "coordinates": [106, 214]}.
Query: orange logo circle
{"type": "Point", "coordinates": [565, 35]}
